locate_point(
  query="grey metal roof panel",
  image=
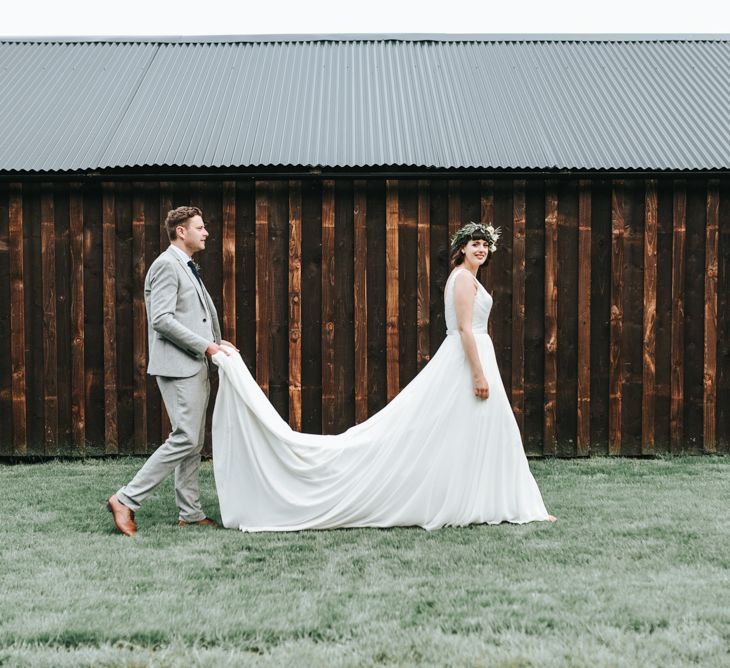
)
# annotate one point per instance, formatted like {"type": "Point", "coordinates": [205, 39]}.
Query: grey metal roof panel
{"type": "Point", "coordinates": [371, 102]}
{"type": "Point", "coordinates": [60, 104]}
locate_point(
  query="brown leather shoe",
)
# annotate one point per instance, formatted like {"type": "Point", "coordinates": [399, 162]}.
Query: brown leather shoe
{"type": "Point", "coordinates": [205, 522]}
{"type": "Point", "coordinates": [123, 516]}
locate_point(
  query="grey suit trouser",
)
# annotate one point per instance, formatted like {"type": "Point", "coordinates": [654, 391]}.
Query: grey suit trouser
{"type": "Point", "coordinates": [186, 401]}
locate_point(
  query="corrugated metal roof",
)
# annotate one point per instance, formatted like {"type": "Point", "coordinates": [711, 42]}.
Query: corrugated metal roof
{"type": "Point", "coordinates": [578, 103]}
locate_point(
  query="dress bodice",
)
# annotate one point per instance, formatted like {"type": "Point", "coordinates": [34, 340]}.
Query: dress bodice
{"type": "Point", "coordinates": [482, 304]}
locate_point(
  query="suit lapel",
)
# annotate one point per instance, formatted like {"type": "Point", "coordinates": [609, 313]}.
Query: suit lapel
{"type": "Point", "coordinates": [196, 283]}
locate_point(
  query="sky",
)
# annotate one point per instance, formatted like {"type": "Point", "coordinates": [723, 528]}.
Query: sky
{"type": "Point", "coordinates": [256, 17]}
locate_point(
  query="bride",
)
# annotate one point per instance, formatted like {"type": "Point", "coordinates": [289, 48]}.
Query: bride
{"type": "Point", "coordinates": [446, 451]}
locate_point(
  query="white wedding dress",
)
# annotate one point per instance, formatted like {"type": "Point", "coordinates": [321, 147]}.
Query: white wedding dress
{"type": "Point", "coordinates": [434, 456]}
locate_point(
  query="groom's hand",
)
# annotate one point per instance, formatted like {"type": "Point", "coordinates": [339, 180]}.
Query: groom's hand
{"type": "Point", "coordinates": [214, 348]}
{"type": "Point", "coordinates": [230, 345]}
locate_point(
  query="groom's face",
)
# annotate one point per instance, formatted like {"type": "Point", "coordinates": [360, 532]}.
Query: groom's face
{"type": "Point", "coordinates": [193, 235]}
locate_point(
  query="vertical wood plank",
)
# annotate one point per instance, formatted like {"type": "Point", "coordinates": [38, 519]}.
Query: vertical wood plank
{"type": "Point", "coordinates": [566, 400]}
{"type": "Point", "coordinates": [391, 288]}
{"type": "Point", "coordinates": [583, 431]}
{"type": "Point", "coordinates": [151, 202]}
{"type": "Point", "coordinates": [600, 312]}
{"type": "Point", "coordinates": [139, 331]}
{"type": "Point", "coordinates": [124, 316]}
{"type": "Point", "coordinates": [263, 285]}
{"type": "Point", "coordinates": [486, 197]}
{"type": "Point", "coordinates": [519, 225]}
{"type": "Point", "coordinates": [534, 316]}
{"type": "Point", "coordinates": [61, 204]}
{"type": "Point", "coordinates": [165, 206]}
{"type": "Point", "coordinates": [471, 200]}
{"type": "Point", "coordinates": [34, 299]}
{"type": "Point", "coordinates": [454, 206]}
{"type": "Point", "coordinates": [632, 296]}
{"type": "Point", "coordinates": [439, 264]}
{"type": "Point", "coordinates": [486, 202]}
{"type": "Point", "coordinates": [6, 392]}
{"type": "Point", "coordinates": [50, 362]}
{"type": "Point", "coordinates": [710, 343]}
{"type": "Point", "coordinates": [110, 317]}
{"type": "Point", "coordinates": [278, 272]}
{"type": "Point", "coordinates": [93, 318]}
{"type": "Point", "coordinates": [6, 373]}
{"type": "Point", "coordinates": [679, 217]}
{"type": "Point", "coordinates": [295, 305]}
{"type": "Point", "coordinates": [76, 246]}
{"type": "Point", "coordinates": [424, 274]}
{"type": "Point", "coordinates": [17, 319]}
{"type": "Point", "coordinates": [723, 325]}
{"type": "Point", "coordinates": [377, 294]}
{"type": "Point", "coordinates": [246, 272]}
{"type": "Point", "coordinates": [328, 306]}
{"type": "Point", "coordinates": [551, 317]}
{"type": "Point", "coordinates": [361, 300]}
{"type": "Point", "coordinates": [312, 305]}
{"type": "Point", "coordinates": [648, 398]}
{"type": "Point", "coordinates": [694, 316]}
{"type": "Point", "coordinates": [229, 261]}
{"type": "Point", "coordinates": [407, 280]}
{"type": "Point", "coordinates": [501, 265]}
{"type": "Point", "coordinates": [663, 324]}
{"type": "Point", "coordinates": [343, 300]}
{"type": "Point", "coordinates": [616, 331]}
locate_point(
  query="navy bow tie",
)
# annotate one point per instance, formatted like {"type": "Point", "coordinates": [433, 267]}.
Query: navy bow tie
{"type": "Point", "coordinates": [191, 264]}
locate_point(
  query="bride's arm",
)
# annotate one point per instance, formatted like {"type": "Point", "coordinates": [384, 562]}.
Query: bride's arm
{"type": "Point", "coordinates": [464, 294]}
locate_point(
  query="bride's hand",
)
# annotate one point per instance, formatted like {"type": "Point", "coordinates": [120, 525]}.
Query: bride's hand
{"type": "Point", "coordinates": [481, 387]}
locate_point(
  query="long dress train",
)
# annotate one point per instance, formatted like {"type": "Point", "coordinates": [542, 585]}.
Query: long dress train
{"type": "Point", "coordinates": [434, 456]}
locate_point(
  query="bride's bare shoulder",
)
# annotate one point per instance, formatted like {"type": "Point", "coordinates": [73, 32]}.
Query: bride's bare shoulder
{"type": "Point", "coordinates": [463, 280]}
{"type": "Point", "coordinates": [455, 272]}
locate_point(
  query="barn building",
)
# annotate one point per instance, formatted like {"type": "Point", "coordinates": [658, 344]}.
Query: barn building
{"type": "Point", "coordinates": [331, 171]}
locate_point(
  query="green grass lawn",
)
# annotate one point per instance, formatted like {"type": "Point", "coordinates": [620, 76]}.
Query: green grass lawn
{"type": "Point", "coordinates": [636, 572]}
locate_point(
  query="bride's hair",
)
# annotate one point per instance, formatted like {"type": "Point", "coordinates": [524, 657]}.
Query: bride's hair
{"type": "Point", "coordinates": [457, 257]}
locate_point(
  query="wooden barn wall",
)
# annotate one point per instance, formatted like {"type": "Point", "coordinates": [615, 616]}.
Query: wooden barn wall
{"type": "Point", "coordinates": [611, 319]}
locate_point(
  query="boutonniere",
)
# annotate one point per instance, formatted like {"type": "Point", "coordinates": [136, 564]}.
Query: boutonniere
{"type": "Point", "coordinates": [198, 268]}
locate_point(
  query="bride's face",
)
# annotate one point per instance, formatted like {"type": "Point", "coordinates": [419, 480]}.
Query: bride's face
{"type": "Point", "coordinates": [476, 251]}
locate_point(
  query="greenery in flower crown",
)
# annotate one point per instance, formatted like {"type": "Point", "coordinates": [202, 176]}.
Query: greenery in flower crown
{"type": "Point", "coordinates": [465, 233]}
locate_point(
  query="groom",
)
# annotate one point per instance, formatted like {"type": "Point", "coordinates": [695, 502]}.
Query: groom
{"type": "Point", "coordinates": [183, 328]}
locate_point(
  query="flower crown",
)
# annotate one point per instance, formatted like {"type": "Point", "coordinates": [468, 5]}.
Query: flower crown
{"type": "Point", "coordinates": [465, 233]}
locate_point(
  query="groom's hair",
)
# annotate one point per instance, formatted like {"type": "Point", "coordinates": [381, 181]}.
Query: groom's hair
{"type": "Point", "coordinates": [180, 216]}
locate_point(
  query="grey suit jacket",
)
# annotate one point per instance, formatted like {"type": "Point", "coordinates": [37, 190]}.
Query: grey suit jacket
{"type": "Point", "coordinates": [181, 318]}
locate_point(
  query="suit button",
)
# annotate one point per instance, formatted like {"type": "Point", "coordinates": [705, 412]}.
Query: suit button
{"type": "Point", "coordinates": [205, 320]}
